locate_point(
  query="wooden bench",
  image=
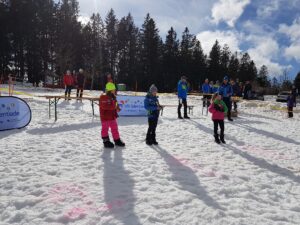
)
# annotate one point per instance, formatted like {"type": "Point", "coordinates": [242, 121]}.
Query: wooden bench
{"type": "Point", "coordinates": [190, 108]}
{"type": "Point", "coordinates": [53, 100]}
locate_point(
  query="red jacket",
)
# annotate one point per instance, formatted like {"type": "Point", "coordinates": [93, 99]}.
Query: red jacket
{"type": "Point", "coordinates": [108, 108]}
{"type": "Point", "coordinates": [68, 80]}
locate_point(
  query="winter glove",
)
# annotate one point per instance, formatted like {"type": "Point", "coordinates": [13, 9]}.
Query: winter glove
{"type": "Point", "coordinates": [217, 107]}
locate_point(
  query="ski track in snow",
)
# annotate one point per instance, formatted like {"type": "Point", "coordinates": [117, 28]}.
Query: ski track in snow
{"type": "Point", "coordinates": [59, 173]}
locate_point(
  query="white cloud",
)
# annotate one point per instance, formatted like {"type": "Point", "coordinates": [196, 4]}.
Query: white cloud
{"type": "Point", "coordinates": [267, 8]}
{"type": "Point", "coordinates": [208, 38]}
{"type": "Point", "coordinates": [265, 51]}
{"type": "Point", "coordinates": [293, 32]}
{"type": "Point", "coordinates": [167, 13]}
{"type": "Point", "coordinates": [228, 11]}
{"type": "Point", "coordinates": [84, 19]}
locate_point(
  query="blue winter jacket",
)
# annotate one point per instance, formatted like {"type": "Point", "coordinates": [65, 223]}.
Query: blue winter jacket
{"type": "Point", "coordinates": [151, 104]}
{"type": "Point", "coordinates": [226, 90]}
{"type": "Point", "coordinates": [206, 88]}
{"type": "Point", "coordinates": [182, 89]}
{"type": "Point", "coordinates": [215, 89]}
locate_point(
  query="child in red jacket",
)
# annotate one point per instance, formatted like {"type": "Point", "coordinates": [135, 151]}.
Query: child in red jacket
{"type": "Point", "coordinates": [218, 109]}
{"type": "Point", "coordinates": [108, 113]}
{"type": "Point", "coordinates": [68, 82]}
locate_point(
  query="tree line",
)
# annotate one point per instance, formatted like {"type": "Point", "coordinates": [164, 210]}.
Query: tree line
{"type": "Point", "coordinates": [44, 37]}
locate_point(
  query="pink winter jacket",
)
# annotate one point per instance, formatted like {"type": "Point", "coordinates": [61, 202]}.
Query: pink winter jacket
{"type": "Point", "coordinates": [217, 115]}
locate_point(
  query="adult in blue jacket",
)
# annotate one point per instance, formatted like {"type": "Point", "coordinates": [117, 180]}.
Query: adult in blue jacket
{"type": "Point", "coordinates": [207, 91]}
{"type": "Point", "coordinates": [182, 89]}
{"type": "Point", "coordinates": [151, 104]}
{"type": "Point", "coordinates": [226, 92]}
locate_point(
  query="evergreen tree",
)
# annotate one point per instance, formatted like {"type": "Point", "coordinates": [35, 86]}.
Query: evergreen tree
{"type": "Point", "coordinates": [199, 67]}
{"type": "Point", "coordinates": [225, 60]}
{"type": "Point", "coordinates": [262, 78]}
{"type": "Point", "coordinates": [214, 67]}
{"type": "Point", "coordinates": [187, 45]}
{"type": "Point", "coordinates": [111, 44]}
{"type": "Point", "coordinates": [234, 65]}
{"type": "Point", "coordinates": [170, 60]}
{"type": "Point", "coordinates": [297, 82]}
{"type": "Point", "coordinates": [149, 54]}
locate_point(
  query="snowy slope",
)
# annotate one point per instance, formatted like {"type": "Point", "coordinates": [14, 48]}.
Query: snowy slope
{"type": "Point", "coordinates": [59, 173]}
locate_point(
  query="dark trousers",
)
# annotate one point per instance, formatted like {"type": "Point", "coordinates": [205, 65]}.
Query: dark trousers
{"type": "Point", "coordinates": [206, 100]}
{"type": "Point", "coordinates": [235, 106]}
{"type": "Point", "coordinates": [79, 92]}
{"type": "Point", "coordinates": [290, 112]}
{"type": "Point", "coordinates": [68, 90]}
{"type": "Point", "coordinates": [229, 105]}
{"type": "Point", "coordinates": [151, 133]}
{"type": "Point", "coordinates": [184, 103]}
{"type": "Point", "coordinates": [221, 124]}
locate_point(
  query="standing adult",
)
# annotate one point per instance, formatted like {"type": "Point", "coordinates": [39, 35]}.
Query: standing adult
{"type": "Point", "coordinates": [226, 92]}
{"type": "Point", "coordinates": [80, 83]}
{"type": "Point", "coordinates": [236, 93]}
{"type": "Point", "coordinates": [10, 85]}
{"type": "Point", "coordinates": [247, 90]}
{"type": "Point", "coordinates": [182, 89]}
{"type": "Point", "coordinates": [68, 82]}
{"type": "Point", "coordinates": [206, 90]}
{"type": "Point", "coordinates": [294, 95]}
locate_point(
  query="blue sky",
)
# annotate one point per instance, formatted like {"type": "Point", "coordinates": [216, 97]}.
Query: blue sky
{"type": "Point", "coordinates": [269, 30]}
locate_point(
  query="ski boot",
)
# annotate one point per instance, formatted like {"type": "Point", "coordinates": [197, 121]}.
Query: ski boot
{"type": "Point", "coordinates": [107, 143]}
{"type": "Point", "coordinates": [119, 143]}
{"type": "Point", "coordinates": [217, 140]}
{"type": "Point", "coordinates": [222, 139]}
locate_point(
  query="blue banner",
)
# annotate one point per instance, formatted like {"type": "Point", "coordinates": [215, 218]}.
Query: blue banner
{"type": "Point", "coordinates": [131, 105]}
{"type": "Point", "coordinates": [14, 113]}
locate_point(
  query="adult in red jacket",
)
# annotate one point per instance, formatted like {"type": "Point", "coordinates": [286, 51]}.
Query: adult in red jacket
{"type": "Point", "coordinates": [68, 82]}
{"type": "Point", "coordinates": [108, 114]}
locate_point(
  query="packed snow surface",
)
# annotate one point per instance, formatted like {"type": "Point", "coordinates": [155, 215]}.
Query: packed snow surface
{"type": "Point", "coordinates": [59, 173]}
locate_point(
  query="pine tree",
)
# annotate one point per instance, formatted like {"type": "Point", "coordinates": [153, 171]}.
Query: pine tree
{"type": "Point", "coordinates": [187, 45]}
{"type": "Point", "coordinates": [215, 68]}
{"type": "Point", "coordinates": [5, 45]}
{"type": "Point", "coordinates": [150, 44]}
{"type": "Point", "coordinates": [199, 67]}
{"type": "Point", "coordinates": [262, 78]}
{"type": "Point", "coordinates": [170, 60]}
{"type": "Point", "coordinates": [111, 44]}
{"type": "Point", "coordinates": [233, 67]}
{"type": "Point", "coordinates": [297, 82]}
{"type": "Point", "coordinates": [225, 60]}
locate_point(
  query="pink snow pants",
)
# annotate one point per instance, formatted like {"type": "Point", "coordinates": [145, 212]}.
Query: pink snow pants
{"type": "Point", "coordinates": [113, 125]}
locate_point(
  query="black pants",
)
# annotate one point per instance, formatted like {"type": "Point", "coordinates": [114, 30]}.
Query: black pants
{"type": "Point", "coordinates": [68, 90]}
{"type": "Point", "coordinates": [290, 112]}
{"type": "Point", "coordinates": [206, 99]}
{"type": "Point", "coordinates": [184, 103]}
{"type": "Point", "coordinates": [151, 133]}
{"type": "Point", "coordinates": [221, 124]}
{"type": "Point", "coordinates": [235, 106]}
{"type": "Point", "coordinates": [229, 105]}
{"type": "Point", "coordinates": [79, 92]}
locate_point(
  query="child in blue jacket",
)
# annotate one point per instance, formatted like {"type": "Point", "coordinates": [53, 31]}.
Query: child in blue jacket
{"type": "Point", "coordinates": [182, 89]}
{"type": "Point", "coordinates": [151, 104]}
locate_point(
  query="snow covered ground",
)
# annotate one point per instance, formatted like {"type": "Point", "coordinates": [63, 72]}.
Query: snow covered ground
{"type": "Point", "coordinates": [59, 173]}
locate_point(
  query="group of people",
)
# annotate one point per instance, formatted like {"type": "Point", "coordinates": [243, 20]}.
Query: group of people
{"type": "Point", "coordinates": [76, 80]}
{"type": "Point", "coordinates": [220, 104]}
{"type": "Point", "coordinates": [109, 109]}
